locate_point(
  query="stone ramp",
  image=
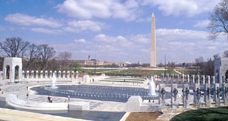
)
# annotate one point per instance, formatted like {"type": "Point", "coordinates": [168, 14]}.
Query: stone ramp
{"type": "Point", "coordinates": [15, 115]}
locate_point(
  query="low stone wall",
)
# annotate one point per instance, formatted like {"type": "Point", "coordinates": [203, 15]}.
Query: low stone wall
{"type": "Point", "coordinates": [14, 101]}
{"type": "Point", "coordinates": [135, 104]}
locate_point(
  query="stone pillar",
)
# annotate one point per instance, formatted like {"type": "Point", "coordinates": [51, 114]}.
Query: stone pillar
{"type": "Point", "coordinates": [72, 75]}
{"type": "Point", "coordinates": [54, 72]}
{"type": "Point", "coordinates": [174, 92]}
{"type": "Point", "coordinates": [37, 74]}
{"type": "Point", "coordinates": [51, 74]}
{"type": "Point", "coordinates": [32, 74]}
{"type": "Point", "coordinates": [162, 78]}
{"type": "Point", "coordinates": [207, 95]}
{"type": "Point", "coordinates": [202, 82]}
{"type": "Point", "coordinates": [27, 74]}
{"type": "Point", "coordinates": [221, 80]}
{"type": "Point", "coordinates": [167, 78]}
{"type": "Point", "coordinates": [77, 76]}
{"type": "Point", "coordinates": [212, 81]}
{"type": "Point", "coordinates": [68, 74]}
{"type": "Point", "coordinates": [226, 93]}
{"type": "Point", "coordinates": [182, 78]}
{"type": "Point", "coordinates": [171, 78]}
{"type": "Point", "coordinates": [41, 74]}
{"type": "Point", "coordinates": [186, 92]}
{"type": "Point", "coordinates": [197, 94]}
{"type": "Point", "coordinates": [46, 74]}
{"type": "Point", "coordinates": [223, 89]}
{"type": "Point", "coordinates": [187, 79]}
{"type": "Point", "coordinates": [162, 94]}
{"type": "Point", "coordinates": [216, 92]}
{"type": "Point", "coordinates": [177, 78]}
{"type": "Point", "coordinates": [208, 80]}
{"type": "Point", "coordinates": [193, 79]}
{"type": "Point", "coordinates": [197, 79]}
{"type": "Point", "coordinates": [64, 74]}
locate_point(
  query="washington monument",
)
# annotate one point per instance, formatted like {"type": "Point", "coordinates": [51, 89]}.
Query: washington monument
{"type": "Point", "coordinates": [153, 43]}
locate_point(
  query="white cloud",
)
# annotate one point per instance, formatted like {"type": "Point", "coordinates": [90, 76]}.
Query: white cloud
{"type": "Point", "coordinates": [84, 25]}
{"type": "Point", "coordinates": [180, 34]}
{"type": "Point", "coordinates": [26, 20]}
{"type": "Point", "coordinates": [46, 31]}
{"type": "Point", "coordinates": [202, 24]}
{"type": "Point", "coordinates": [140, 38]}
{"type": "Point", "coordinates": [80, 40]}
{"type": "Point", "coordinates": [182, 7]}
{"type": "Point", "coordinates": [87, 9]}
{"type": "Point", "coordinates": [109, 39]}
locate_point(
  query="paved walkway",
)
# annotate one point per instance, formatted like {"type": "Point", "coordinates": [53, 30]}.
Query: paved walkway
{"type": "Point", "coordinates": [15, 115]}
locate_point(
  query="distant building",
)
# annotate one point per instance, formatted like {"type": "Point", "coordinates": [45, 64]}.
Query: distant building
{"type": "Point", "coordinates": [92, 62]}
{"type": "Point", "coordinates": [124, 64]}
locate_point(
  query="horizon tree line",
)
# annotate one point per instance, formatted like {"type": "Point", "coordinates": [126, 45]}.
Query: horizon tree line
{"type": "Point", "coordinates": [35, 57]}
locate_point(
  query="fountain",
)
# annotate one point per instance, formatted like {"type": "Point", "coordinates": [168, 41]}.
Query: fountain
{"type": "Point", "coordinates": [152, 88]}
{"type": "Point", "coordinates": [53, 81]}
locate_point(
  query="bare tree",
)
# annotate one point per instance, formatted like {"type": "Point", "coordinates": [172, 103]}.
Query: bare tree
{"type": "Point", "coordinates": [199, 63]}
{"type": "Point", "coordinates": [208, 68]}
{"type": "Point", "coordinates": [14, 47]}
{"type": "Point", "coordinates": [64, 56]}
{"type": "Point", "coordinates": [46, 53]}
{"type": "Point", "coordinates": [33, 55]}
{"type": "Point", "coordinates": [219, 20]}
{"type": "Point", "coordinates": [225, 53]}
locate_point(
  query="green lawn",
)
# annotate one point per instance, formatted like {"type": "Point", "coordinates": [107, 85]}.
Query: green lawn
{"type": "Point", "coordinates": [127, 72]}
{"type": "Point", "coordinates": [210, 114]}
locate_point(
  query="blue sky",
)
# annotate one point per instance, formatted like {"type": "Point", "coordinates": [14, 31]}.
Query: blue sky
{"type": "Point", "coordinates": [114, 30]}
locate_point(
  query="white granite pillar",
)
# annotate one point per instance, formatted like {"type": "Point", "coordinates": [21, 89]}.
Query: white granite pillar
{"type": "Point", "coordinates": [162, 78]}
{"type": "Point", "coordinates": [50, 74]}
{"type": "Point", "coordinates": [41, 74]}
{"type": "Point", "coordinates": [198, 79]}
{"type": "Point", "coordinates": [197, 94]}
{"type": "Point", "coordinates": [208, 80]}
{"type": "Point", "coordinates": [187, 79]}
{"type": "Point", "coordinates": [37, 74]}
{"type": "Point", "coordinates": [182, 78]}
{"type": "Point", "coordinates": [174, 93]}
{"type": "Point", "coordinates": [64, 74]}
{"type": "Point", "coordinates": [207, 95]}
{"type": "Point", "coordinates": [77, 76]}
{"type": "Point", "coordinates": [216, 92]}
{"type": "Point", "coordinates": [223, 89]}
{"type": "Point", "coordinates": [32, 74]}
{"type": "Point", "coordinates": [167, 79]}
{"type": "Point", "coordinates": [171, 78]}
{"type": "Point", "coordinates": [68, 74]}
{"type": "Point", "coordinates": [162, 94]}
{"type": "Point", "coordinates": [192, 79]}
{"type": "Point", "coordinates": [72, 75]}
{"type": "Point", "coordinates": [186, 92]}
{"type": "Point", "coordinates": [202, 82]}
{"type": "Point", "coordinates": [46, 74]}
{"type": "Point", "coordinates": [177, 78]}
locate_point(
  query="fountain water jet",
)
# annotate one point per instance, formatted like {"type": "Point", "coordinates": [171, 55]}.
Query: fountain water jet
{"type": "Point", "coordinates": [152, 88]}
{"type": "Point", "coordinates": [53, 81]}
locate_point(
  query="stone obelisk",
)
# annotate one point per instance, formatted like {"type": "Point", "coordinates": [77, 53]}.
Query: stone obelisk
{"type": "Point", "coordinates": [153, 43]}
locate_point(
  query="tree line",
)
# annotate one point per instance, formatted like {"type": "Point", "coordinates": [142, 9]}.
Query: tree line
{"type": "Point", "coordinates": [37, 57]}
